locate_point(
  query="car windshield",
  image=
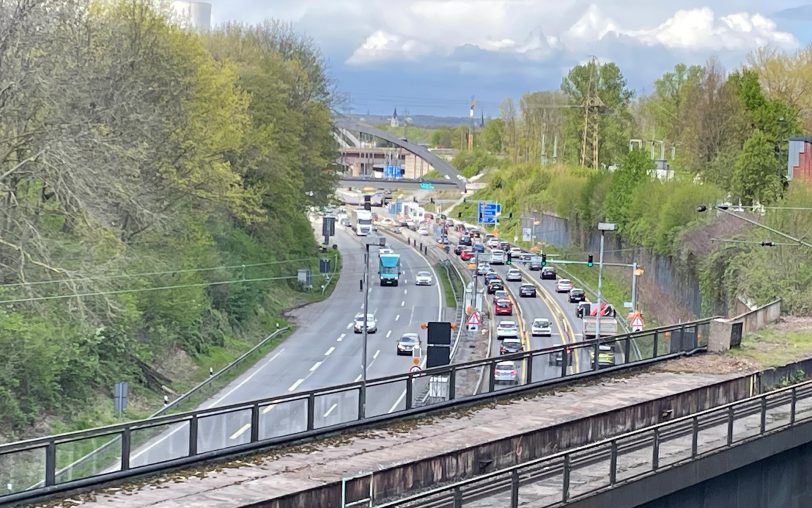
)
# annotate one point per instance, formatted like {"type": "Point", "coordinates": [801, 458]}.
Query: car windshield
{"type": "Point", "coordinates": [505, 366]}
{"type": "Point", "coordinates": [423, 274]}
{"type": "Point", "coordinates": [541, 322]}
{"type": "Point", "coordinates": [360, 317]}
{"type": "Point", "coordinates": [408, 339]}
{"type": "Point", "coordinates": [507, 324]}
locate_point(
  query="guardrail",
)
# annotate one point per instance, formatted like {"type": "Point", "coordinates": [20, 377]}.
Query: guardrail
{"type": "Point", "coordinates": [625, 458]}
{"type": "Point", "coordinates": [204, 433]}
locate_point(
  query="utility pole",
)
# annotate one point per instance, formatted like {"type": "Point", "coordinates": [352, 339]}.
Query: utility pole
{"type": "Point", "coordinates": [592, 106]}
{"type": "Point", "coordinates": [471, 132]}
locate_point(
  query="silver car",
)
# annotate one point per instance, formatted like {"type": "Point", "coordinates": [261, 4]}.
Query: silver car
{"type": "Point", "coordinates": [541, 327]}
{"type": "Point", "coordinates": [358, 324]}
{"type": "Point", "coordinates": [423, 279]}
{"type": "Point", "coordinates": [407, 343]}
{"type": "Point", "coordinates": [506, 373]}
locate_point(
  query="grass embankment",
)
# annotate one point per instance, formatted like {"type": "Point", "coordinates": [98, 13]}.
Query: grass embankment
{"type": "Point", "coordinates": [775, 346]}
{"type": "Point", "coordinates": [450, 284]}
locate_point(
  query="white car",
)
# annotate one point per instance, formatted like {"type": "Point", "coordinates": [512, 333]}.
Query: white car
{"type": "Point", "coordinates": [493, 243]}
{"type": "Point", "coordinates": [386, 221]}
{"type": "Point", "coordinates": [506, 373]}
{"type": "Point", "coordinates": [498, 257]}
{"type": "Point", "coordinates": [423, 279]}
{"type": "Point", "coordinates": [358, 323]}
{"type": "Point", "coordinates": [515, 252]}
{"type": "Point", "coordinates": [423, 231]}
{"type": "Point", "coordinates": [507, 329]}
{"type": "Point", "coordinates": [563, 286]}
{"type": "Point", "coordinates": [407, 343]}
{"type": "Point", "coordinates": [482, 268]}
{"type": "Point", "coordinates": [513, 275]}
{"type": "Point", "coordinates": [541, 327]}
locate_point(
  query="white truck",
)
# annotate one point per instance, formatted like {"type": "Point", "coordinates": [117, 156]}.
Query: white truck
{"type": "Point", "coordinates": [608, 327]}
{"type": "Point", "coordinates": [360, 221]}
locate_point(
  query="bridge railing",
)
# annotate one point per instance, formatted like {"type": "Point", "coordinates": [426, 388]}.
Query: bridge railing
{"type": "Point", "coordinates": [36, 467]}
{"type": "Point", "coordinates": [581, 472]}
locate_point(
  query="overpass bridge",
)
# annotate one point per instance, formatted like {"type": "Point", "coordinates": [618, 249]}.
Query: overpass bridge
{"type": "Point", "coordinates": [396, 183]}
{"type": "Point", "coordinates": [348, 133]}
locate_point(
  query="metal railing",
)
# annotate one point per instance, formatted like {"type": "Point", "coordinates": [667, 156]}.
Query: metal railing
{"type": "Point", "coordinates": [207, 433]}
{"type": "Point", "coordinates": [587, 470]}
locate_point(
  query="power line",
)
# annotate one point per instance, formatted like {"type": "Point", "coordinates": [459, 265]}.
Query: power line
{"type": "Point", "coordinates": [147, 274]}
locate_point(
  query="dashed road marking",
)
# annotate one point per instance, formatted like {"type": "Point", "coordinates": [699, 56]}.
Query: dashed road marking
{"type": "Point", "coordinates": [296, 384]}
{"type": "Point", "coordinates": [388, 333]}
{"type": "Point", "coordinates": [240, 431]}
{"type": "Point", "coordinates": [315, 366]}
{"type": "Point", "coordinates": [397, 317]}
{"type": "Point", "coordinates": [403, 303]}
{"type": "Point", "coordinates": [375, 356]}
{"type": "Point", "coordinates": [330, 351]}
{"type": "Point", "coordinates": [359, 377]}
{"type": "Point", "coordinates": [349, 326]}
{"type": "Point", "coordinates": [332, 408]}
{"type": "Point", "coordinates": [268, 409]}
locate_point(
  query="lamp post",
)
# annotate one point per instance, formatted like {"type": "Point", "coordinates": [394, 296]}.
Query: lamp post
{"type": "Point", "coordinates": [603, 227]}
{"type": "Point", "coordinates": [363, 393]}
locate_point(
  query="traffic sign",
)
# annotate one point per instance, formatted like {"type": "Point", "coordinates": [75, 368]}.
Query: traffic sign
{"type": "Point", "coordinates": [415, 368]}
{"type": "Point", "coordinates": [473, 319]}
{"type": "Point", "coordinates": [637, 322]}
{"type": "Point", "coordinates": [487, 212]}
{"type": "Point", "coordinates": [416, 360]}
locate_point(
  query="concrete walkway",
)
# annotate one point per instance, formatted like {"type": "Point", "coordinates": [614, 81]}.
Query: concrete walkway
{"type": "Point", "coordinates": [299, 468]}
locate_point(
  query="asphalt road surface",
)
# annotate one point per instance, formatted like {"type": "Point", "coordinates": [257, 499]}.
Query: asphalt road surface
{"type": "Point", "coordinates": [322, 352]}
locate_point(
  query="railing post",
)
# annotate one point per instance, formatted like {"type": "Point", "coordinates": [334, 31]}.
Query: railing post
{"type": "Point", "coordinates": [792, 404]}
{"type": "Point", "coordinates": [655, 452]}
{"type": "Point", "coordinates": [694, 436]}
{"type": "Point", "coordinates": [457, 497]}
{"type": "Point", "coordinates": [50, 464]}
{"type": "Point", "coordinates": [528, 361]}
{"type": "Point", "coordinates": [514, 488]}
{"type": "Point", "coordinates": [255, 423]}
{"type": "Point", "coordinates": [125, 449]}
{"type": "Point", "coordinates": [311, 411]}
{"type": "Point", "coordinates": [763, 426]}
{"type": "Point", "coordinates": [409, 391]}
{"type": "Point", "coordinates": [627, 350]}
{"type": "Point", "coordinates": [655, 349]}
{"type": "Point", "coordinates": [564, 360]}
{"type": "Point", "coordinates": [193, 429]}
{"type": "Point", "coordinates": [596, 349]}
{"type": "Point", "coordinates": [492, 376]}
{"type": "Point", "coordinates": [565, 491]}
{"type": "Point", "coordinates": [613, 463]}
{"type": "Point", "coordinates": [360, 403]}
{"type": "Point", "coordinates": [730, 416]}
{"type": "Point", "coordinates": [452, 383]}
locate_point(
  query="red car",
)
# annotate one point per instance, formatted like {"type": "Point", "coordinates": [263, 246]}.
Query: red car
{"type": "Point", "coordinates": [503, 308]}
{"type": "Point", "coordinates": [467, 255]}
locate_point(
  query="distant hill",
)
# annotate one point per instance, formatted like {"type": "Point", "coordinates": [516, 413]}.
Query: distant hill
{"type": "Point", "coordinates": [802, 12]}
{"type": "Point", "coordinates": [427, 121]}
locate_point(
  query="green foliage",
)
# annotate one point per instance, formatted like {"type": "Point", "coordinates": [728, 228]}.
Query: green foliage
{"type": "Point", "coordinates": [634, 171]}
{"type": "Point", "coordinates": [756, 174]}
{"type": "Point", "coordinates": [472, 163]}
{"type": "Point", "coordinates": [493, 135]}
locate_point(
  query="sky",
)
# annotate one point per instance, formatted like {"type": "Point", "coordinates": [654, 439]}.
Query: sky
{"type": "Point", "coordinates": [434, 56]}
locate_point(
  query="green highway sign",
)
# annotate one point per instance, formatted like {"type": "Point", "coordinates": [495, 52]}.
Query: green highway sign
{"type": "Point", "coordinates": [426, 185]}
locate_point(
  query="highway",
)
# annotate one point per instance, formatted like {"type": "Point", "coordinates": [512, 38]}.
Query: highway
{"type": "Point", "coordinates": [323, 351]}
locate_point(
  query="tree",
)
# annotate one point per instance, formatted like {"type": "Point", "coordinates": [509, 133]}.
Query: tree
{"type": "Point", "coordinates": [493, 135]}
{"type": "Point", "coordinates": [664, 106]}
{"type": "Point", "coordinates": [634, 171]}
{"type": "Point", "coordinates": [756, 174]}
{"type": "Point", "coordinates": [786, 77]}
{"type": "Point", "coordinates": [606, 84]}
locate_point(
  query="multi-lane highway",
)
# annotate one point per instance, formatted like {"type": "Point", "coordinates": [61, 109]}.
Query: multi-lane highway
{"type": "Point", "coordinates": [324, 351]}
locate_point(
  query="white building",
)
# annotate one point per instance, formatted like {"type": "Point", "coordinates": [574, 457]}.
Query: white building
{"type": "Point", "coordinates": [193, 14]}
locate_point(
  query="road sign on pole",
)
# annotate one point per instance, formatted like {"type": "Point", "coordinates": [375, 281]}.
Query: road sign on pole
{"type": "Point", "coordinates": [487, 212]}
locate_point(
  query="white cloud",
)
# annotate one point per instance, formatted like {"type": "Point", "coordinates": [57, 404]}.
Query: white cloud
{"type": "Point", "coordinates": [380, 46]}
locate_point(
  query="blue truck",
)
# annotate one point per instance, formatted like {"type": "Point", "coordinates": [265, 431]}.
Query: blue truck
{"type": "Point", "coordinates": [389, 269]}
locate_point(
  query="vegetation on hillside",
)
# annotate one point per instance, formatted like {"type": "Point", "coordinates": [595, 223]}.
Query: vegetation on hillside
{"type": "Point", "coordinates": [146, 173]}
{"type": "Point", "coordinates": [731, 132]}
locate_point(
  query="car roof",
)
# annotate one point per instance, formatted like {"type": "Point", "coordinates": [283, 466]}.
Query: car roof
{"type": "Point", "coordinates": [511, 339]}
{"type": "Point", "coordinates": [528, 284]}
{"type": "Point", "coordinates": [410, 336]}
{"type": "Point", "coordinates": [502, 300]}
{"type": "Point", "coordinates": [564, 280]}
{"type": "Point", "coordinates": [541, 319]}
{"type": "Point", "coordinates": [506, 364]}
{"type": "Point", "coordinates": [507, 323]}
{"type": "Point", "coordinates": [423, 272]}
{"type": "Point", "coordinates": [361, 314]}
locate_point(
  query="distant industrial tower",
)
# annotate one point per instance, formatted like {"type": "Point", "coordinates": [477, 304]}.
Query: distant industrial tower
{"type": "Point", "coordinates": [193, 15]}
{"type": "Point", "coordinates": [593, 106]}
{"type": "Point", "coordinates": [471, 131]}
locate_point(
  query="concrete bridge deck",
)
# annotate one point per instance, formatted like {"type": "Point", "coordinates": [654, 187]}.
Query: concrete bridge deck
{"type": "Point", "coordinates": [518, 429]}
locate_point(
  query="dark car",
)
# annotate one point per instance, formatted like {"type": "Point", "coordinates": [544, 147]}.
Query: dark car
{"type": "Point", "coordinates": [548, 272]}
{"type": "Point", "coordinates": [495, 285]}
{"type": "Point", "coordinates": [505, 246]}
{"type": "Point", "coordinates": [458, 249]}
{"type": "Point", "coordinates": [510, 345]}
{"type": "Point", "coordinates": [557, 357]}
{"type": "Point", "coordinates": [466, 240]}
{"type": "Point", "coordinates": [489, 276]}
{"type": "Point", "coordinates": [478, 247]}
{"type": "Point", "coordinates": [527, 289]}
{"type": "Point", "coordinates": [577, 295]}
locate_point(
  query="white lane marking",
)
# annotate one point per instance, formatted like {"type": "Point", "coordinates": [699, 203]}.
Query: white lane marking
{"type": "Point", "coordinates": [296, 384]}
{"type": "Point", "coordinates": [388, 333]}
{"type": "Point", "coordinates": [330, 351]}
{"type": "Point", "coordinates": [397, 317]}
{"type": "Point", "coordinates": [397, 402]}
{"type": "Point", "coordinates": [375, 356]}
{"type": "Point", "coordinates": [405, 291]}
{"type": "Point", "coordinates": [405, 281]}
{"type": "Point", "coordinates": [247, 379]}
{"type": "Point", "coordinates": [240, 431]}
{"type": "Point", "coordinates": [359, 377]}
{"type": "Point", "coordinates": [315, 366]}
{"type": "Point", "coordinates": [332, 408]}
{"type": "Point", "coordinates": [268, 409]}
{"type": "Point", "coordinates": [403, 303]}
{"type": "Point", "coordinates": [341, 337]}
{"type": "Point", "coordinates": [349, 326]}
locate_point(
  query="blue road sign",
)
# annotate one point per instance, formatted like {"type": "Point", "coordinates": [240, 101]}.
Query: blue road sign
{"type": "Point", "coordinates": [487, 212]}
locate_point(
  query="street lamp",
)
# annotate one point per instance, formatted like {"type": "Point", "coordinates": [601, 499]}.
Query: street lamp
{"type": "Point", "coordinates": [724, 209]}
{"type": "Point", "coordinates": [363, 393]}
{"type": "Point", "coordinates": [603, 227]}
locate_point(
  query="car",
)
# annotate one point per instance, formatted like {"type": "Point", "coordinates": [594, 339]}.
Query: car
{"type": "Point", "coordinates": [541, 327]}
{"type": "Point", "coordinates": [548, 272]}
{"type": "Point", "coordinates": [505, 246]}
{"type": "Point", "coordinates": [467, 254]}
{"type": "Point", "coordinates": [371, 324]}
{"type": "Point", "coordinates": [507, 329]}
{"type": "Point", "coordinates": [482, 268]}
{"type": "Point", "coordinates": [527, 290]}
{"type": "Point", "coordinates": [556, 358]}
{"type": "Point", "coordinates": [422, 231]}
{"type": "Point", "coordinates": [386, 221]}
{"type": "Point", "coordinates": [466, 240]}
{"type": "Point", "coordinates": [491, 275]}
{"type": "Point", "coordinates": [495, 285]}
{"type": "Point", "coordinates": [606, 356]}
{"type": "Point", "coordinates": [449, 223]}
{"type": "Point", "coordinates": [503, 308]}
{"type": "Point", "coordinates": [479, 247]}
{"type": "Point", "coordinates": [498, 257]}
{"type": "Point", "coordinates": [423, 278]}
{"type": "Point", "coordinates": [500, 294]}
{"type": "Point", "coordinates": [505, 373]}
{"type": "Point", "coordinates": [513, 275]}
{"type": "Point", "coordinates": [407, 342]}
{"type": "Point", "coordinates": [510, 345]}
{"type": "Point", "coordinates": [577, 295]}
{"type": "Point", "coordinates": [583, 308]}
{"type": "Point", "coordinates": [384, 250]}
{"type": "Point", "coordinates": [492, 243]}
{"type": "Point", "coordinates": [516, 252]}
{"type": "Point", "coordinates": [563, 286]}
{"type": "Point", "coordinates": [458, 249]}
